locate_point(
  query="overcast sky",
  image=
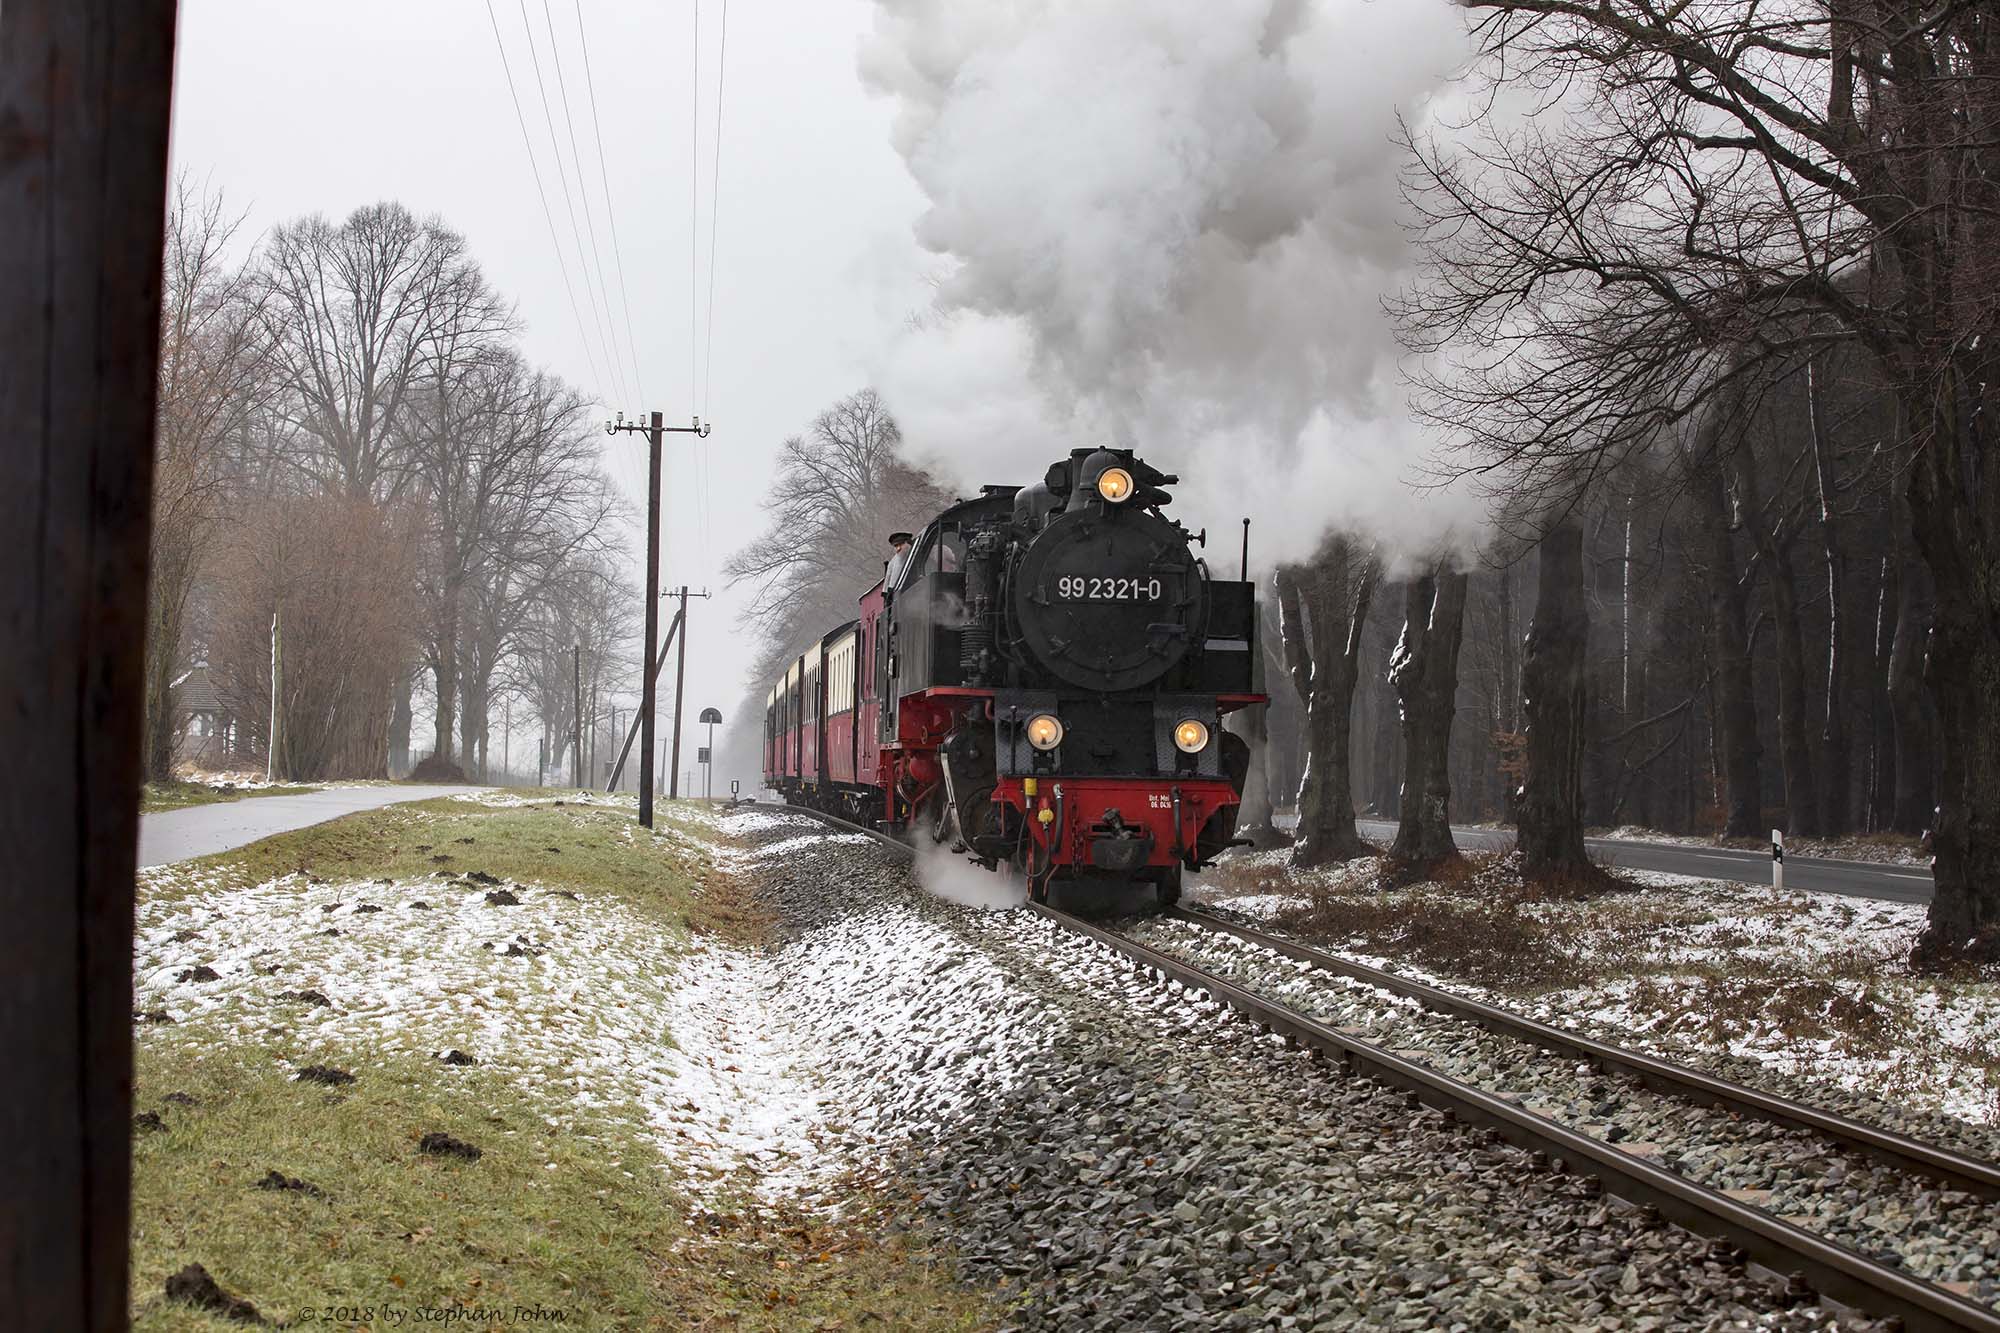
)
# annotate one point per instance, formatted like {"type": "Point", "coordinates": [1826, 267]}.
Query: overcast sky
{"type": "Point", "coordinates": [1169, 224]}
{"type": "Point", "coordinates": [291, 109]}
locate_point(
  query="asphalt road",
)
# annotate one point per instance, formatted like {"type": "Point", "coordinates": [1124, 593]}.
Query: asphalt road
{"type": "Point", "coordinates": [1856, 879]}
{"type": "Point", "coordinates": [200, 830]}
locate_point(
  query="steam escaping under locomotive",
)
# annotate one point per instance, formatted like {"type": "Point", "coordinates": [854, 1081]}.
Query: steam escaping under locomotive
{"type": "Point", "coordinates": [1039, 680]}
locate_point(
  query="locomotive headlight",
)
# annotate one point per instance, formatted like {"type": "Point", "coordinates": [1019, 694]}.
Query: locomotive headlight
{"type": "Point", "coordinates": [1115, 485]}
{"type": "Point", "coordinates": [1191, 736]}
{"type": "Point", "coordinates": [1045, 731]}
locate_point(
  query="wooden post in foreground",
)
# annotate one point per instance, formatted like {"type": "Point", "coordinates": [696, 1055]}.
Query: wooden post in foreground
{"type": "Point", "coordinates": [85, 91]}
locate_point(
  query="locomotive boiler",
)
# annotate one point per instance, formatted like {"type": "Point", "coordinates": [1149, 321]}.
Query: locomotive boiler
{"type": "Point", "coordinates": [1039, 681]}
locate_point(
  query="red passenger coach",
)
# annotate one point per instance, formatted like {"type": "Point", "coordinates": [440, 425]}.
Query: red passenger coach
{"type": "Point", "coordinates": [1040, 679]}
{"type": "Point", "coordinates": [818, 748]}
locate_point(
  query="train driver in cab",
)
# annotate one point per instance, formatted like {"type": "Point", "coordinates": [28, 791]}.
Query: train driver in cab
{"type": "Point", "coordinates": [899, 556]}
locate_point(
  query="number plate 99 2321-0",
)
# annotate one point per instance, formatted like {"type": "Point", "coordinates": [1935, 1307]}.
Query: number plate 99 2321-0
{"type": "Point", "coordinates": [1091, 588]}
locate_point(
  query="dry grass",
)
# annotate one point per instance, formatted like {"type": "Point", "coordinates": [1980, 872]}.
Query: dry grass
{"type": "Point", "coordinates": [589, 1219]}
{"type": "Point", "coordinates": [1801, 981]}
{"type": "Point", "coordinates": [1475, 920]}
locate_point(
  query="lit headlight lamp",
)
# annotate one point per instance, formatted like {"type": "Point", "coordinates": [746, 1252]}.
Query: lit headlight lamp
{"type": "Point", "coordinates": [1191, 736]}
{"type": "Point", "coordinates": [1115, 485]}
{"type": "Point", "coordinates": [1044, 731]}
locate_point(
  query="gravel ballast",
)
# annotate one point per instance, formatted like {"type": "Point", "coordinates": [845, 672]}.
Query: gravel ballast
{"type": "Point", "coordinates": [1122, 1155]}
{"type": "Point", "coordinates": [1943, 1235]}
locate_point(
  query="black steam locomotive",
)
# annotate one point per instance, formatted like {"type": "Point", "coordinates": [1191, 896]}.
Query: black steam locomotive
{"type": "Point", "coordinates": [1040, 681]}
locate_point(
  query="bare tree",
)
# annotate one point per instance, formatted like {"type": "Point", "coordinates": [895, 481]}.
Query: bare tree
{"type": "Point", "coordinates": [1733, 184]}
{"type": "Point", "coordinates": [1424, 670]}
{"type": "Point", "coordinates": [338, 572]}
{"type": "Point", "coordinates": [583, 609]}
{"type": "Point", "coordinates": [1323, 607]}
{"type": "Point", "coordinates": [838, 491]}
{"type": "Point", "coordinates": [508, 476]}
{"type": "Point", "coordinates": [1553, 681]}
{"type": "Point", "coordinates": [354, 312]}
{"type": "Point", "coordinates": [211, 362]}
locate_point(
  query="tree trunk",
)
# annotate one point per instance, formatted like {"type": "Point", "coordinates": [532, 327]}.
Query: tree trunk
{"type": "Point", "coordinates": [1915, 758]}
{"type": "Point", "coordinates": [1881, 720]}
{"type": "Point", "coordinates": [1950, 502]}
{"type": "Point", "coordinates": [1735, 710]}
{"type": "Point", "coordinates": [1424, 670]}
{"type": "Point", "coordinates": [1802, 814]}
{"type": "Point", "coordinates": [1253, 814]}
{"type": "Point", "coordinates": [163, 636]}
{"type": "Point", "coordinates": [1836, 745]}
{"type": "Point", "coordinates": [1324, 610]}
{"type": "Point", "coordinates": [468, 727]}
{"type": "Point", "coordinates": [1509, 703]}
{"type": "Point", "coordinates": [400, 723]}
{"type": "Point", "coordinates": [445, 668]}
{"type": "Point", "coordinates": [1773, 539]}
{"type": "Point", "coordinates": [1553, 678]}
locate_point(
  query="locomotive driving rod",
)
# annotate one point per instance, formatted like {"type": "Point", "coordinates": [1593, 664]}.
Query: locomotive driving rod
{"type": "Point", "coordinates": [639, 714]}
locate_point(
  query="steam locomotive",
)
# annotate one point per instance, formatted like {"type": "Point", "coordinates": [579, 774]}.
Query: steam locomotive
{"type": "Point", "coordinates": [1039, 680]}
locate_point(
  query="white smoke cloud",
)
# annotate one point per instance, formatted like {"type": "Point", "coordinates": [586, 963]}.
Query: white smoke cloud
{"type": "Point", "coordinates": [1171, 224]}
{"type": "Point", "coordinates": [958, 879]}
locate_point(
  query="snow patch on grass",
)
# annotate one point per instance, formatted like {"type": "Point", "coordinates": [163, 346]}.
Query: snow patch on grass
{"type": "Point", "coordinates": [580, 999]}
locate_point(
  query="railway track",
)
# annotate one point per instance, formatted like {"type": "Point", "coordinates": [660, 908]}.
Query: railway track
{"type": "Point", "coordinates": [1810, 1261]}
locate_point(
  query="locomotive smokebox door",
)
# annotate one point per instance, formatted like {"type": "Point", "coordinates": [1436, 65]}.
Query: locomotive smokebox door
{"type": "Point", "coordinates": [1109, 598]}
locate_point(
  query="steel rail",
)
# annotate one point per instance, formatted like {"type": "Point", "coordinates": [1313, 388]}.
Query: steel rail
{"type": "Point", "coordinates": [1835, 1272]}
{"type": "Point", "coordinates": [1955, 1170]}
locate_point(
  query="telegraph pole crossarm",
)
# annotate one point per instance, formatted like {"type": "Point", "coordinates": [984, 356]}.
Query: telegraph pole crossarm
{"type": "Point", "coordinates": [655, 432]}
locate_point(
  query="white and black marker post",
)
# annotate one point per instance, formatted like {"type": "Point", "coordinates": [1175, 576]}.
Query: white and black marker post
{"type": "Point", "coordinates": [1778, 860]}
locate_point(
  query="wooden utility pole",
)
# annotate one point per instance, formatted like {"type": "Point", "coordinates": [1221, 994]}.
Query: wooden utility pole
{"type": "Point", "coordinates": [576, 715]}
{"type": "Point", "coordinates": [85, 96]}
{"type": "Point", "coordinates": [680, 684]}
{"type": "Point", "coordinates": [655, 433]}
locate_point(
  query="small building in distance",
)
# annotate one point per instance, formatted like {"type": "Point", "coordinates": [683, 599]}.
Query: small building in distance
{"type": "Point", "coordinates": [205, 730]}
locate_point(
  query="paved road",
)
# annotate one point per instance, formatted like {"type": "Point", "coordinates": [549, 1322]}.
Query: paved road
{"type": "Point", "coordinates": [1856, 879]}
{"type": "Point", "coordinates": [198, 830]}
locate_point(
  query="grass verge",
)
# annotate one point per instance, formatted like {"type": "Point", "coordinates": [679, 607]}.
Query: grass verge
{"type": "Point", "coordinates": [157, 796]}
{"type": "Point", "coordinates": [569, 1207]}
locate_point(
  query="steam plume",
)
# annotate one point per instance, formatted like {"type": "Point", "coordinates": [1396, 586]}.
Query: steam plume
{"type": "Point", "coordinates": [1170, 224]}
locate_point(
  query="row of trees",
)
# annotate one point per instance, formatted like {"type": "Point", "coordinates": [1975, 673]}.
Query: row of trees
{"type": "Point", "coordinates": [352, 445]}
{"type": "Point", "coordinates": [1708, 304]}
{"type": "Point", "coordinates": [1716, 329]}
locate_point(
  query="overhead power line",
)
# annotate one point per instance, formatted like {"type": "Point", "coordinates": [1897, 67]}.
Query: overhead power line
{"type": "Point", "coordinates": [569, 199]}
{"type": "Point", "coordinates": [715, 209]}
{"type": "Point", "coordinates": [694, 196]}
{"type": "Point", "coordinates": [610, 209]}
{"type": "Point", "coordinates": [714, 216]}
{"type": "Point", "coordinates": [548, 214]}
{"type": "Point", "coordinates": [576, 157]}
